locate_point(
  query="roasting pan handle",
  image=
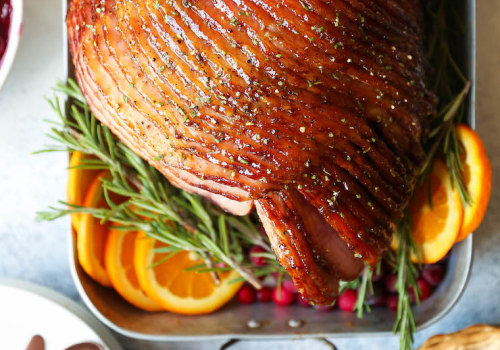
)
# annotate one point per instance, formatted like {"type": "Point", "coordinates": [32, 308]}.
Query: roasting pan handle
{"type": "Point", "coordinates": [231, 342]}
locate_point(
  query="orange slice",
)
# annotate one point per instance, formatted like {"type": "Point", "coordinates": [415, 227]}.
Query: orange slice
{"type": "Point", "coordinates": [435, 228]}
{"type": "Point", "coordinates": [168, 283]}
{"type": "Point", "coordinates": [79, 181]}
{"type": "Point", "coordinates": [119, 258]}
{"type": "Point", "coordinates": [477, 178]}
{"type": "Point", "coordinates": [91, 235]}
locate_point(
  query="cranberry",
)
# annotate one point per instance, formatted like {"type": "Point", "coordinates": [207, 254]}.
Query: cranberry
{"type": "Point", "coordinates": [347, 300]}
{"type": "Point", "coordinates": [264, 295]}
{"type": "Point", "coordinates": [289, 286]}
{"type": "Point", "coordinates": [257, 260]}
{"type": "Point", "coordinates": [246, 294]}
{"type": "Point", "coordinates": [390, 282]}
{"type": "Point", "coordinates": [303, 302]}
{"type": "Point", "coordinates": [220, 265]}
{"type": "Point", "coordinates": [425, 290]}
{"type": "Point", "coordinates": [433, 274]}
{"type": "Point", "coordinates": [282, 297]}
{"type": "Point", "coordinates": [392, 302]}
{"type": "Point", "coordinates": [378, 297]}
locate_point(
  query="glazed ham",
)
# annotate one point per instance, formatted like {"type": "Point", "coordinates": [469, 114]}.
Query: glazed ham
{"type": "Point", "coordinates": [313, 111]}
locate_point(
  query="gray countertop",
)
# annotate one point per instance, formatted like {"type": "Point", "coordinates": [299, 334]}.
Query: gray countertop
{"type": "Point", "coordinates": [37, 251]}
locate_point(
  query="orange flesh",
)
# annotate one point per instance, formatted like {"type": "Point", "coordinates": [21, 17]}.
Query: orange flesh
{"type": "Point", "coordinates": [79, 181]}
{"type": "Point", "coordinates": [167, 282]}
{"type": "Point", "coordinates": [434, 229]}
{"type": "Point", "coordinates": [477, 178]}
{"type": "Point", "coordinates": [465, 171]}
{"type": "Point", "coordinates": [119, 257]}
{"type": "Point", "coordinates": [179, 281]}
{"type": "Point", "coordinates": [127, 252]}
{"type": "Point", "coordinates": [92, 236]}
{"type": "Point", "coordinates": [100, 234]}
{"type": "Point", "coordinates": [98, 240]}
{"type": "Point", "coordinates": [423, 216]}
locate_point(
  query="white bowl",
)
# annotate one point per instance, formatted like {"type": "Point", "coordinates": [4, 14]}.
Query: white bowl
{"type": "Point", "coordinates": [15, 29]}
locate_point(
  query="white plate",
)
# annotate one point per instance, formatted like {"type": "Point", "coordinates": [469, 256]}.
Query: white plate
{"type": "Point", "coordinates": [27, 309]}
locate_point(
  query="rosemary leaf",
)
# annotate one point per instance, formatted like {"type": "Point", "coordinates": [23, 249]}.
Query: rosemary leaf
{"type": "Point", "coordinates": [365, 286]}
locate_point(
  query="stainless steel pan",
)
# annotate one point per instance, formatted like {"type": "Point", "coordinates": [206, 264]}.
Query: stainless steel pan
{"type": "Point", "coordinates": [269, 321]}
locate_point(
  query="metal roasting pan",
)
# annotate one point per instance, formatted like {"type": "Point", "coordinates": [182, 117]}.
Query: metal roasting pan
{"type": "Point", "coordinates": [267, 321]}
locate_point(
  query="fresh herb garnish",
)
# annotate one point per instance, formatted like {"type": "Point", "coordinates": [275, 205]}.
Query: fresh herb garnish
{"type": "Point", "coordinates": [181, 220]}
{"type": "Point", "coordinates": [407, 274]}
{"type": "Point", "coordinates": [365, 286]}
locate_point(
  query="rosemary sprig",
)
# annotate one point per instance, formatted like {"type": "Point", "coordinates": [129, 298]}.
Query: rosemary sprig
{"type": "Point", "coordinates": [407, 275]}
{"type": "Point", "coordinates": [365, 286]}
{"type": "Point", "coordinates": [181, 220]}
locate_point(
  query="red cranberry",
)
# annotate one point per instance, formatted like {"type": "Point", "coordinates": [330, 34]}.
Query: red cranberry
{"type": "Point", "coordinates": [264, 295]}
{"type": "Point", "coordinates": [347, 300]}
{"type": "Point", "coordinates": [282, 297]}
{"type": "Point", "coordinates": [257, 260]}
{"type": "Point", "coordinates": [289, 286]}
{"type": "Point", "coordinates": [303, 302]}
{"type": "Point", "coordinates": [433, 274]}
{"type": "Point", "coordinates": [390, 282]}
{"type": "Point", "coordinates": [220, 265]}
{"type": "Point", "coordinates": [425, 290]}
{"type": "Point", "coordinates": [378, 297]}
{"type": "Point", "coordinates": [246, 294]}
{"type": "Point", "coordinates": [392, 302]}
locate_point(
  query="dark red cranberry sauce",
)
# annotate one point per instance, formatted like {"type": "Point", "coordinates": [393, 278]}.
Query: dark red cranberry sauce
{"type": "Point", "coordinates": [5, 13]}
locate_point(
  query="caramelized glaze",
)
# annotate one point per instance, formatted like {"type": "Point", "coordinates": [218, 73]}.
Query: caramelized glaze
{"type": "Point", "coordinates": [289, 103]}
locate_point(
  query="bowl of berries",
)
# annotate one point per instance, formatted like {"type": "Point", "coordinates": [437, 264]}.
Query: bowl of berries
{"type": "Point", "coordinates": [11, 13]}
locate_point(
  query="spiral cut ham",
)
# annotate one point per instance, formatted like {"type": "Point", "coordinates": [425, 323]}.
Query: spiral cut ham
{"type": "Point", "coordinates": [313, 111]}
